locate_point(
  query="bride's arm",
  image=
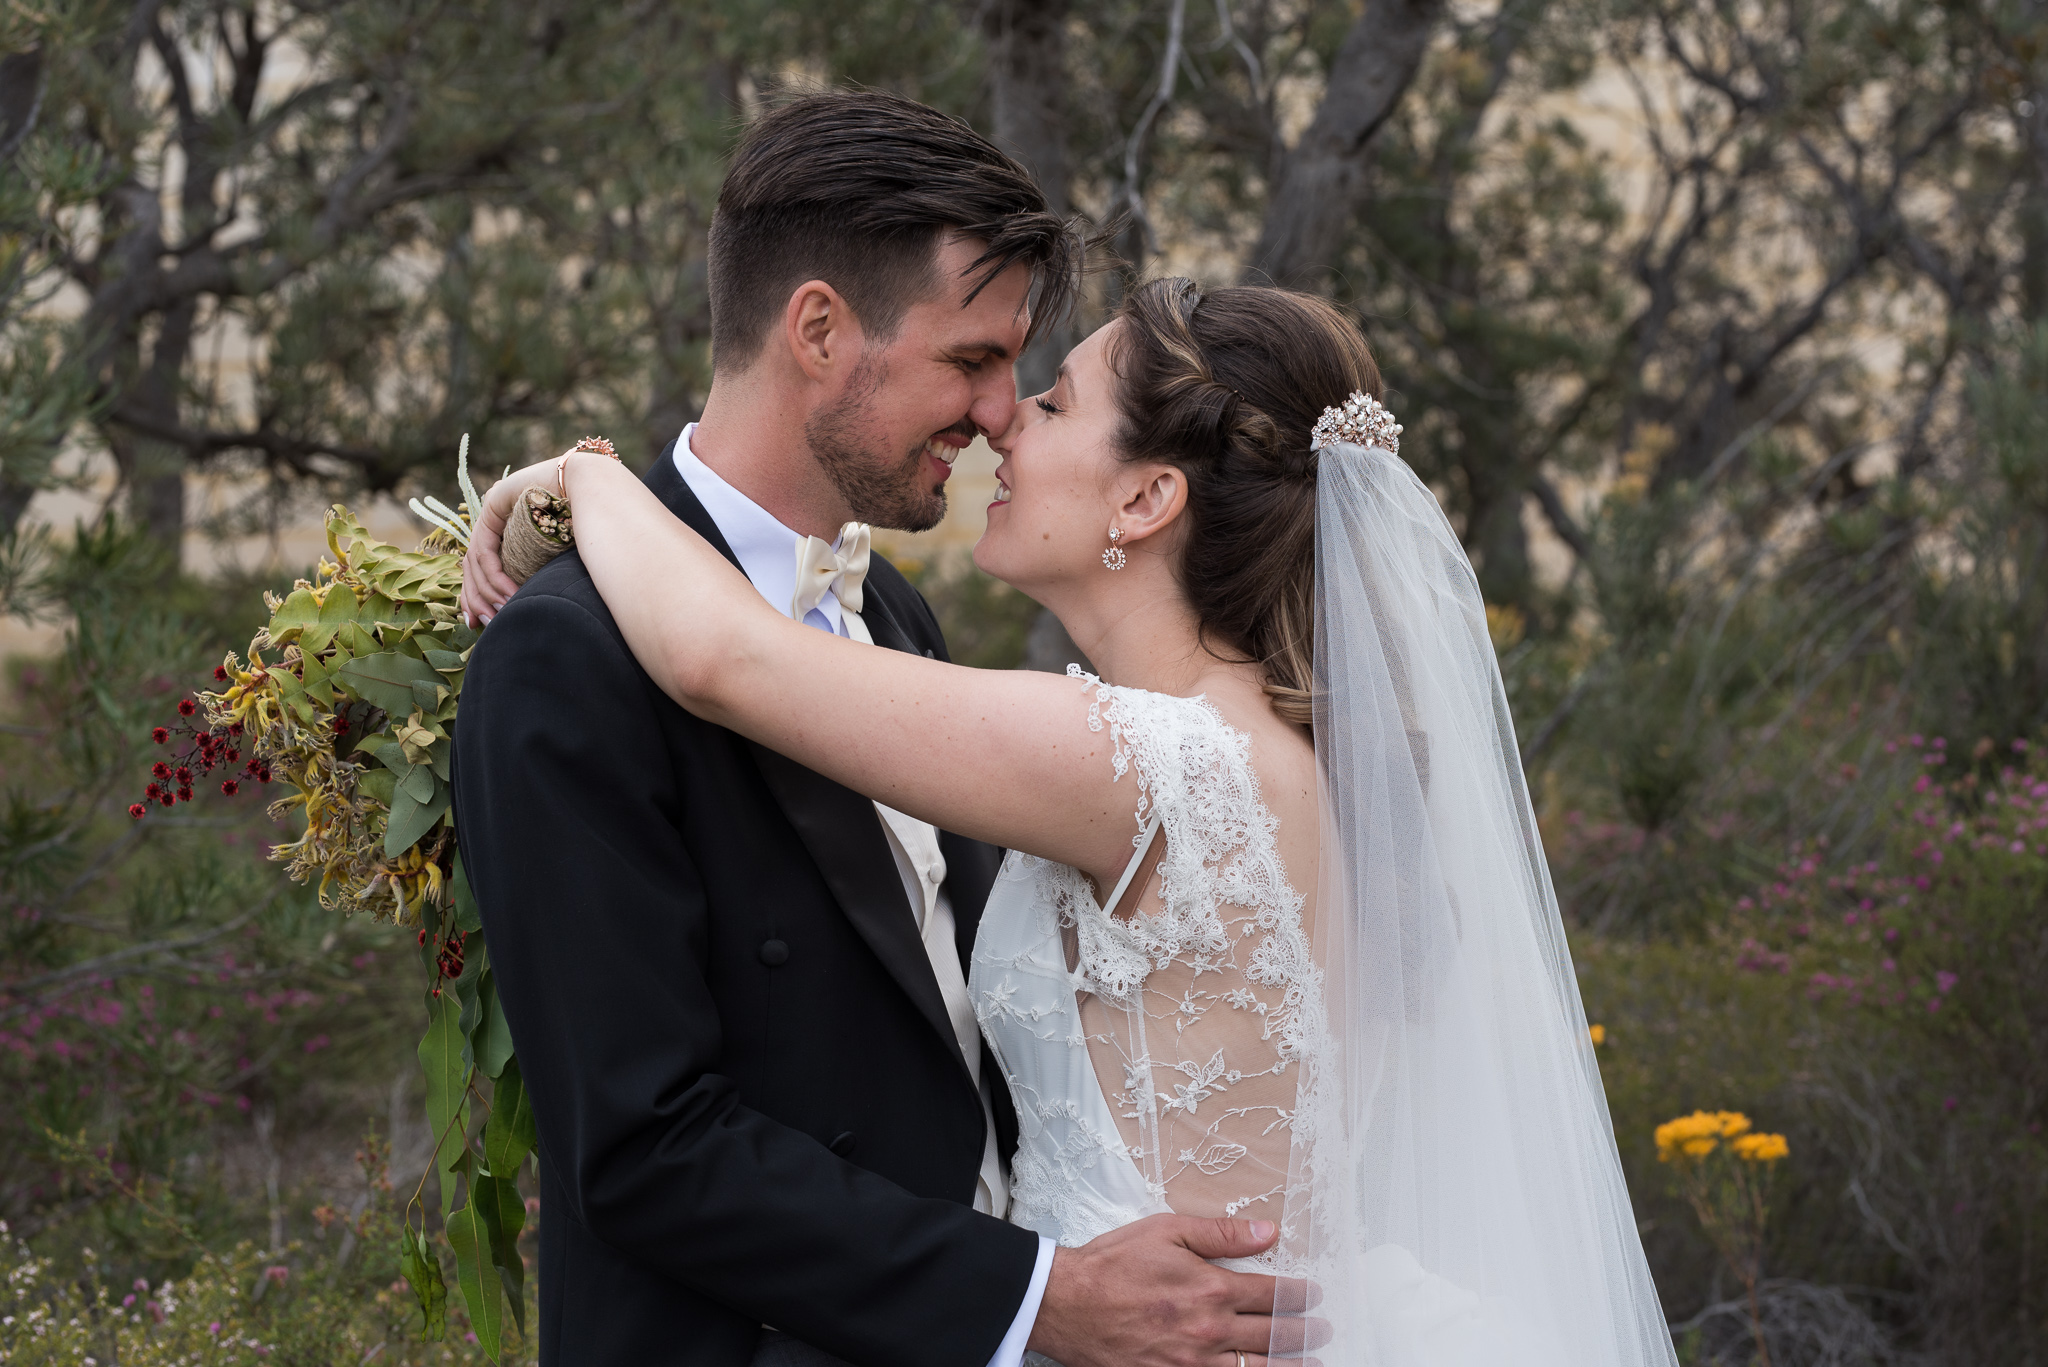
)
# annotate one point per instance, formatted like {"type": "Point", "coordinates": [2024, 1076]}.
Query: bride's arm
{"type": "Point", "coordinates": [1004, 756]}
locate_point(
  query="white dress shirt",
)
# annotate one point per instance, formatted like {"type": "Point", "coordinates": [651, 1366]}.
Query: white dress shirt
{"type": "Point", "coordinates": [766, 551]}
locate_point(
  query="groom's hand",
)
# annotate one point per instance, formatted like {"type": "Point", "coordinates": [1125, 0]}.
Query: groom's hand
{"type": "Point", "coordinates": [1146, 1296]}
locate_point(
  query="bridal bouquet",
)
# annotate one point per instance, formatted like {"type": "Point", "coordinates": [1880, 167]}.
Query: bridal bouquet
{"type": "Point", "coordinates": [347, 696]}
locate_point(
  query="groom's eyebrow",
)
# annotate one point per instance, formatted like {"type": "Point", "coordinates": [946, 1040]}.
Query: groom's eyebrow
{"type": "Point", "coordinates": [979, 350]}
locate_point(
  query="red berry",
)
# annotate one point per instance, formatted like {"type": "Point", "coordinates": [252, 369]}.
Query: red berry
{"type": "Point", "coordinates": [184, 794]}
{"type": "Point", "coordinates": [160, 769]}
{"type": "Point", "coordinates": [423, 936]}
{"type": "Point", "coordinates": [263, 774]}
{"type": "Point", "coordinates": [234, 728]}
{"type": "Point", "coordinates": [340, 726]}
{"type": "Point", "coordinates": [228, 787]}
{"type": "Point", "coordinates": [166, 798]}
{"type": "Point", "coordinates": [184, 774]}
{"type": "Point", "coordinates": [234, 755]}
{"type": "Point", "coordinates": [152, 790]}
{"type": "Point", "coordinates": [159, 735]}
{"type": "Point", "coordinates": [137, 810]}
{"type": "Point", "coordinates": [186, 707]}
{"type": "Point", "coordinates": [220, 673]}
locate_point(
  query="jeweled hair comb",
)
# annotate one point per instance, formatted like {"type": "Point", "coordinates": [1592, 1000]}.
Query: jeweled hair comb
{"type": "Point", "coordinates": [1361, 420]}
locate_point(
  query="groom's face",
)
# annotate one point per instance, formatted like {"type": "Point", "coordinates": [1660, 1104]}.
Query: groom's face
{"type": "Point", "coordinates": [887, 440]}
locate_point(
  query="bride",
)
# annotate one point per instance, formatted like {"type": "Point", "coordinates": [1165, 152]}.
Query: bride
{"type": "Point", "coordinates": [1275, 938]}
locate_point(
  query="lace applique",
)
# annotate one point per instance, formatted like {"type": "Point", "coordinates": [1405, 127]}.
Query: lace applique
{"type": "Point", "coordinates": [1196, 1012]}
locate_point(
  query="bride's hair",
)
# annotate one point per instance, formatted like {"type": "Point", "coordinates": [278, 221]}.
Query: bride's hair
{"type": "Point", "coordinates": [1226, 387]}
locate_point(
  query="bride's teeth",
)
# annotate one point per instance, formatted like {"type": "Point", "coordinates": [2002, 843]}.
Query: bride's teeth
{"type": "Point", "coordinates": [1002, 493]}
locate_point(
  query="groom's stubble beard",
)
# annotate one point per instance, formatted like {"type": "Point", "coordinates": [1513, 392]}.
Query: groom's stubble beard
{"type": "Point", "coordinates": [879, 491]}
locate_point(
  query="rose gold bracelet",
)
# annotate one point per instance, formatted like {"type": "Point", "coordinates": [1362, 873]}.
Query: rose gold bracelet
{"type": "Point", "coordinates": [597, 446]}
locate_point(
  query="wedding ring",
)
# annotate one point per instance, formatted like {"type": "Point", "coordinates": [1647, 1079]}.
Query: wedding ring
{"type": "Point", "coordinates": [1240, 1356]}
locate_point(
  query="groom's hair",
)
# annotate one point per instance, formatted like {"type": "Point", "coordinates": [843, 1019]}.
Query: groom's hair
{"type": "Point", "coordinates": [856, 188]}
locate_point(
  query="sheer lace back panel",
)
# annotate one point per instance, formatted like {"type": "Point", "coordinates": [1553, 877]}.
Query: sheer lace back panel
{"type": "Point", "coordinates": [1154, 1048]}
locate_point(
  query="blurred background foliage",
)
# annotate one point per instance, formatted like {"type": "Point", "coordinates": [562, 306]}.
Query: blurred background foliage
{"type": "Point", "coordinates": [1721, 329]}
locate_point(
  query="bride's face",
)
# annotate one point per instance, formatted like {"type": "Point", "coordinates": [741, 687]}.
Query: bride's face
{"type": "Point", "coordinates": [1057, 487]}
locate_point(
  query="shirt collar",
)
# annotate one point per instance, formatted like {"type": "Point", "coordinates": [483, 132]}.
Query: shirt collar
{"type": "Point", "coordinates": [764, 547]}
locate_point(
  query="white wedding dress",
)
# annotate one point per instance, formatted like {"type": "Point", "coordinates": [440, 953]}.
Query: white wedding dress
{"type": "Point", "coordinates": [1152, 1057]}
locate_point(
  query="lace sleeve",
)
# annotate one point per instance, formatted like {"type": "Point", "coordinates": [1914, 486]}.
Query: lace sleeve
{"type": "Point", "coordinates": [1197, 984]}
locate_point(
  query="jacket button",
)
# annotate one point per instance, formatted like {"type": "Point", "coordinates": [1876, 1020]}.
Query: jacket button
{"type": "Point", "coordinates": [842, 1144]}
{"type": "Point", "coordinates": [774, 953]}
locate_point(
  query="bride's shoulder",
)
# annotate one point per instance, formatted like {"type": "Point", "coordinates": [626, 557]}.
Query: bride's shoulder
{"type": "Point", "coordinates": [1174, 741]}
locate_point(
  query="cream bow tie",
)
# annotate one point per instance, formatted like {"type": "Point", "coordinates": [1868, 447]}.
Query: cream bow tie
{"type": "Point", "coordinates": [821, 570]}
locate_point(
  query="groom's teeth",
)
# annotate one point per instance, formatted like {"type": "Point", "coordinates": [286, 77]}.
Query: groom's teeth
{"type": "Point", "coordinates": [945, 453]}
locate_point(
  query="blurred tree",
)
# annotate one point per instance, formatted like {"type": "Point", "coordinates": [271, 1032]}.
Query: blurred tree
{"type": "Point", "coordinates": [412, 222]}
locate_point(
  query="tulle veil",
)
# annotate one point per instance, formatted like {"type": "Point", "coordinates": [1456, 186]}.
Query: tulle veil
{"type": "Point", "coordinates": [1454, 1187]}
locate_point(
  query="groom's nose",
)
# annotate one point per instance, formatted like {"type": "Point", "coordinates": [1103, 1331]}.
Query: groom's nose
{"type": "Point", "coordinates": [995, 399]}
{"type": "Point", "coordinates": [1000, 435]}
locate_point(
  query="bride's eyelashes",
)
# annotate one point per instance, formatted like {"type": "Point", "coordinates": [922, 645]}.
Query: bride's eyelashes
{"type": "Point", "coordinates": [1051, 409]}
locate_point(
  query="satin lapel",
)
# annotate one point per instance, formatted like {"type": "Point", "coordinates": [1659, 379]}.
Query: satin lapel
{"type": "Point", "coordinates": [839, 827]}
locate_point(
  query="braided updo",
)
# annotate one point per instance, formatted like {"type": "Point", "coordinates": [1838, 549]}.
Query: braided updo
{"type": "Point", "coordinates": [1226, 387]}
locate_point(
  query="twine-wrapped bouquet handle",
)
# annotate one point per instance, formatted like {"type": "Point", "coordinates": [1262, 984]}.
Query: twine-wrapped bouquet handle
{"type": "Point", "coordinates": [539, 528]}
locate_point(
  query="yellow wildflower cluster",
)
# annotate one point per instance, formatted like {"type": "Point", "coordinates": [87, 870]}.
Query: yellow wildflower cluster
{"type": "Point", "coordinates": [1760, 1148]}
{"type": "Point", "coordinates": [1698, 1134]}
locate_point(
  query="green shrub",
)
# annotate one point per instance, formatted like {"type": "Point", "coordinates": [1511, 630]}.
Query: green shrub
{"type": "Point", "coordinates": [1885, 1012]}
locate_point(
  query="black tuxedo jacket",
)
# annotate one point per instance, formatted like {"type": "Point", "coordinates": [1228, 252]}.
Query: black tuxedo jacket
{"type": "Point", "coordinates": [751, 1104]}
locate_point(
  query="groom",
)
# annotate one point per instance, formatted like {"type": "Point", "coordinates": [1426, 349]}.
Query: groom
{"type": "Point", "coordinates": [769, 1130]}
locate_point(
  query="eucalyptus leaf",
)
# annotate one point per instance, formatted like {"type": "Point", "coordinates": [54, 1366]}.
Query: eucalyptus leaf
{"type": "Point", "coordinates": [447, 1087]}
{"type": "Point", "coordinates": [468, 916]}
{"type": "Point", "coordinates": [411, 819]}
{"type": "Point", "coordinates": [340, 606]}
{"type": "Point", "coordinates": [386, 679]}
{"type": "Point", "coordinates": [498, 1201]}
{"type": "Point", "coordinates": [447, 661]}
{"type": "Point", "coordinates": [380, 784]}
{"type": "Point", "coordinates": [295, 614]}
{"type": "Point", "coordinates": [422, 1270]}
{"type": "Point", "coordinates": [509, 1134]}
{"type": "Point", "coordinates": [317, 680]}
{"type": "Point", "coordinates": [417, 782]}
{"type": "Point", "coordinates": [491, 1038]}
{"type": "Point", "coordinates": [481, 1289]}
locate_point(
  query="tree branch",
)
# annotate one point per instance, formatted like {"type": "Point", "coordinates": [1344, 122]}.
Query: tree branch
{"type": "Point", "coordinates": [1320, 185]}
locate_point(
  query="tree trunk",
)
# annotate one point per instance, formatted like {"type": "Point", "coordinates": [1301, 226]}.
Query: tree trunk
{"type": "Point", "coordinates": [1027, 65]}
{"type": "Point", "coordinates": [1319, 183]}
{"type": "Point", "coordinates": [153, 468]}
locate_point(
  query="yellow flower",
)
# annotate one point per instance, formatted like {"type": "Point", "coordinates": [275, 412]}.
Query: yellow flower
{"type": "Point", "coordinates": [1599, 1033]}
{"type": "Point", "coordinates": [1695, 1135]}
{"type": "Point", "coordinates": [1761, 1148]}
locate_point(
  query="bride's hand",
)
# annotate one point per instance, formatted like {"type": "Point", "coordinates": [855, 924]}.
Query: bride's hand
{"type": "Point", "coordinates": [485, 585]}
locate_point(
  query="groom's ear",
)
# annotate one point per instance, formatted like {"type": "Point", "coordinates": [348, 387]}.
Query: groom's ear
{"type": "Point", "coordinates": [823, 337]}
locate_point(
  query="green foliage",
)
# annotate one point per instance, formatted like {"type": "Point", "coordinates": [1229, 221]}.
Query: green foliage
{"type": "Point", "coordinates": [328, 1302]}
